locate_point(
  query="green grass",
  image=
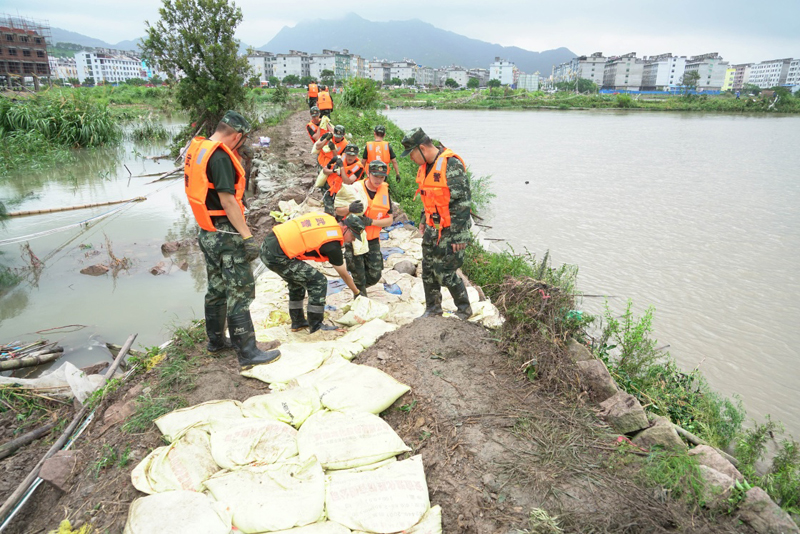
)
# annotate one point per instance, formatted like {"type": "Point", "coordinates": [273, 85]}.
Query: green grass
{"type": "Point", "coordinates": [149, 408]}
{"type": "Point", "coordinates": [678, 473]}
{"type": "Point", "coordinates": [149, 130]}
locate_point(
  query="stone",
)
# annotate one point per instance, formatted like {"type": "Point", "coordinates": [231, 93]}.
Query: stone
{"type": "Point", "coordinates": [95, 368]}
{"type": "Point", "coordinates": [578, 352]}
{"type": "Point", "coordinates": [662, 433]}
{"type": "Point", "coordinates": [717, 485]}
{"type": "Point", "coordinates": [58, 468]}
{"type": "Point", "coordinates": [159, 268]}
{"type": "Point", "coordinates": [710, 457]}
{"type": "Point", "coordinates": [118, 412]}
{"type": "Point", "coordinates": [173, 246]}
{"type": "Point", "coordinates": [624, 413]}
{"type": "Point", "coordinates": [596, 380]}
{"type": "Point", "coordinates": [184, 265]}
{"type": "Point", "coordinates": [406, 267]}
{"type": "Point", "coordinates": [95, 270]}
{"type": "Point", "coordinates": [766, 517]}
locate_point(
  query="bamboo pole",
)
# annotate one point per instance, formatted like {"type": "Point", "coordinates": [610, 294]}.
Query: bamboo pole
{"type": "Point", "coordinates": [82, 206]}
{"type": "Point", "coordinates": [37, 358]}
{"type": "Point", "coordinates": [695, 440]}
{"type": "Point", "coordinates": [7, 449]}
{"type": "Point", "coordinates": [165, 175]}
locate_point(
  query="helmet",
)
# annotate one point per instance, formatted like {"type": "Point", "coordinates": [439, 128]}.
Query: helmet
{"type": "Point", "coordinates": [380, 129]}
{"type": "Point", "coordinates": [314, 111]}
{"type": "Point", "coordinates": [351, 149]}
{"type": "Point", "coordinates": [338, 130]}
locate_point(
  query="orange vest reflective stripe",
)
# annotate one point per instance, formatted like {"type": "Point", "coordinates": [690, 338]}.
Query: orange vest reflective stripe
{"type": "Point", "coordinates": [378, 208]}
{"type": "Point", "coordinates": [324, 158]}
{"type": "Point", "coordinates": [197, 184]}
{"type": "Point", "coordinates": [317, 128]}
{"type": "Point", "coordinates": [434, 190]}
{"type": "Point", "coordinates": [352, 170]}
{"type": "Point", "coordinates": [378, 150]}
{"type": "Point", "coordinates": [324, 101]}
{"type": "Point", "coordinates": [313, 90]}
{"type": "Point", "coordinates": [308, 233]}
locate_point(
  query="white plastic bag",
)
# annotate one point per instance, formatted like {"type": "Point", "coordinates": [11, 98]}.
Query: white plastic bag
{"type": "Point", "coordinates": [253, 440]}
{"type": "Point", "coordinates": [177, 511]}
{"type": "Point", "coordinates": [345, 440]}
{"type": "Point", "coordinates": [293, 406]}
{"type": "Point", "coordinates": [390, 499]}
{"type": "Point", "coordinates": [272, 497]}
{"type": "Point", "coordinates": [206, 415]}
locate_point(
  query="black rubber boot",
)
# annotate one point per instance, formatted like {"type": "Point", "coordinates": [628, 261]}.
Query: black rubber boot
{"type": "Point", "coordinates": [315, 323]}
{"type": "Point", "coordinates": [297, 316]}
{"type": "Point", "coordinates": [215, 329]}
{"type": "Point", "coordinates": [243, 337]}
{"type": "Point", "coordinates": [433, 302]}
{"type": "Point", "coordinates": [461, 299]}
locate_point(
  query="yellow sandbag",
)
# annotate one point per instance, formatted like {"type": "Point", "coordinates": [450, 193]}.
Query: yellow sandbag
{"type": "Point", "coordinates": [206, 414]}
{"type": "Point", "coordinates": [183, 465]}
{"type": "Point", "coordinates": [321, 179]}
{"type": "Point", "coordinates": [326, 527]}
{"type": "Point", "coordinates": [345, 440]}
{"type": "Point", "coordinates": [177, 511]}
{"type": "Point", "coordinates": [272, 497]}
{"type": "Point", "coordinates": [391, 499]}
{"type": "Point", "coordinates": [431, 523]}
{"type": "Point", "coordinates": [362, 310]}
{"type": "Point", "coordinates": [253, 440]}
{"type": "Point", "coordinates": [292, 407]}
{"type": "Point", "coordinates": [296, 359]}
{"type": "Point", "coordinates": [367, 334]}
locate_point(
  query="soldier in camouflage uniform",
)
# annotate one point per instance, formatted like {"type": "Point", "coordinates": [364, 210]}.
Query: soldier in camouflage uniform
{"type": "Point", "coordinates": [444, 223]}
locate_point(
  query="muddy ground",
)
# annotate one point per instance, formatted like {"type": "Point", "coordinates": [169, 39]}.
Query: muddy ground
{"type": "Point", "coordinates": [501, 453]}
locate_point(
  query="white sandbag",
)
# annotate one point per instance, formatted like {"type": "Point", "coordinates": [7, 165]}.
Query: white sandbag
{"type": "Point", "coordinates": [487, 314]}
{"type": "Point", "coordinates": [345, 386]}
{"type": "Point", "coordinates": [296, 359]}
{"type": "Point", "coordinates": [253, 440]}
{"type": "Point", "coordinates": [326, 527]}
{"type": "Point", "coordinates": [431, 523]}
{"type": "Point", "coordinates": [390, 499]}
{"type": "Point", "coordinates": [183, 465]}
{"type": "Point", "coordinates": [367, 334]}
{"type": "Point", "coordinates": [362, 310]}
{"type": "Point", "coordinates": [206, 415]}
{"type": "Point", "coordinates": [271, 497]}
{"type": "Point", "coordinates": [345, 440]}
{"type": "Point", "coordinates": [292, 407]}
{"type": "Point", "coordinates": [370, 467]}
{"type": "Point", "coordinates": [177, 511]}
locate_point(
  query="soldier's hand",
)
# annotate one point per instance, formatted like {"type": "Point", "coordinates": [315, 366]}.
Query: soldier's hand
{"type": "Point", "coordinates": [367, 220]}
{"type": "Point", "coordinates": [251, 249]}
{"type": "Point", "coordinates": [398, 178]}
{"type": "Point", "coordinates": [356, 207]}
{"type": "Point", "coordinates": [327, 136]}
{"type": "Point", "coordinates": [331, 146]}
{"type": "Point", "coordinates": [459, 246]}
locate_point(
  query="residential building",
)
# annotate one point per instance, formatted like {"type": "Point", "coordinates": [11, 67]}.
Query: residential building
{"type": "Point", "coordinates": [741, 76]}
{"type": "Point", "coordinates": [295, 62]}
{"type": "Point", "coordinates": [730, 74]}
{"type": "Point", "coordinates": [662, 72]}
{"type": "Point", "coordinates": [711, 68]}
{"type": "Point", "coordinates": [403, 69]}
{"type": "Point", "coordinates": [63, 68]}
{"type": "Point", "coordinates": [23, 50]}
{"type": "Point", "coordinates": [108, 66]}
{"type": "Point", "coordinates": [458, 74]}
{"type": "Point", "coordinates": [770, 73]}
{"type": "Point", "coordinates": [342, 65]}
{"type": "Point", "coordinates": [380, 70]}
{"type": "Point", "coordinates": [623, 73]}
{"type": "Point", "coordinates": [358, 67]}
{"type": "Point", "coordinates": [793, 76]}
{"type": "Point", "coordinates": [529, 82]}
{"type": "Point", "coordinates": [503, 70]}
{"type": "Point", "coordinates": [320, 62]}
{"type": "Point", "coordinates": [481, 74]}
{"type": "Point", "coordinates": [262, 64]}
{"type": "Point", "coordinates": [425, 76]}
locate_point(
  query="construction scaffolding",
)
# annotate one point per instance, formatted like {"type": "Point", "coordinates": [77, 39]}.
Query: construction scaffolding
{"type": "Point", "coordinates": [24, 59]}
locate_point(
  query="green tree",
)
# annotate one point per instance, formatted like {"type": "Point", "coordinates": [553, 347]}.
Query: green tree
{"type": "Point", "coordinates": [690, 79]}
{"type": "Point", "coordinates": [73, 81]}
{"type": "Point", "coordinates": [586, 86]}
{"type": "Point", "coordinates": [291, 79]}
{"type": "Point", "coordinates": [273, 81]}
{"type": "Point", "coordinates": [88, 81]}
{"type": "Point", "coordinates": [156, 79]}
{"type": "Point", "coordinates": [396, 82]}
{"type": "Point", "coordinates": [254, 81]}
{"type": "Point", "coordinates": [493, 83]}
{"type": "Point", "coordinates": [280, 94]}
{"type": "Point", "coordinates": [327, 77]}
{"type": "Point", "coordinates": [473, 83]}
{"type": "Point", "coordinates": [360, 93]}
{"type": "Point", "coordinates": [305, 80]}
{"type": "Point", "coordinates": [410, 81]}
{"type": "Point", "coordinates": [195, 38]}
{"type": "Point", "coordinates": [450, 82]}
{"type": "Point", "coordinates": [135, 81]}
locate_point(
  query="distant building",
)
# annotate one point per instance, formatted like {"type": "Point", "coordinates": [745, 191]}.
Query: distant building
{"type": "Point", "coordinates": [793, 76]}
{"type": "Point", "coordinates": [623, 73]}
{"type": "Point", "coordinates": [458, 74]}
{"type": "Point", "coordinates": [62, 68]}
{"type": "Point", "coordinates": [380, 70]}
{"type": "Point", "coordinates": [730, 74]}
{"type": "Point", "coordinates": [320, 62]}
{"type": "Point", "coordinates": [23, 51]}
{"type": "Point", "coordinates": [295, 62]}
{"type": "Point", "coordinates": [403, 69]}
{"type": "Point", "coordinates": [587, 67]}
{"type": "Point", "coordinates": [503, 70]}
{"type": "Point", "coordinates": [358, 67]}
{"type": "Point", "coordinates": [741, 76]}
{"type": "Point", "coordinates": [262, 64]}
{"type": "Point", "coordinates": [711, 68]}
{"type": "Point", "coordinates": [662, 72]}
{"type": "Point", "coordinates": [481, 74]}
{"type": "Point", "coordinates": [425, 76]}
{"type": "Point", "coordinates": [529, 82]}
{"type": "Point", "coordinates": [770, 73]}
{"type": "Point", "coordinates": [109, 66]}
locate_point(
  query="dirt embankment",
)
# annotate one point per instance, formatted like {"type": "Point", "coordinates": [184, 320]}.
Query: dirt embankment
{"type": "Point", "coordinates": [501, 454]}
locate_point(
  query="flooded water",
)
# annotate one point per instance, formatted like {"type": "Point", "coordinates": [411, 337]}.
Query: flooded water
{"type": "Point", "coordinates": [698, 215]}
{"type": "Point", "coordinates": [126, 300]}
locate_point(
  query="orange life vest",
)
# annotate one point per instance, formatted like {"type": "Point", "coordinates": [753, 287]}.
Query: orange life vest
{"type": "Point", "coordinates": [308, 233]}
{"type": "Point", "coordinates": [197, 184]}
{"type": "Point", "coordinates": [378, 150]}
{"type": "Point", "coordinates": [324, 158]}
{"type": "Point", "coordinates": [352, 170]}
{"type": "Point", "coordinates": [378, 208]}
{"type": "Point", "coordinates": [434, 190]}
{"type": "Point", "coordinates": [324, 101]}
{"type": "Point", "coordinates": [317, 128]}
{"type": "Point", "coordinates": [313, 90]}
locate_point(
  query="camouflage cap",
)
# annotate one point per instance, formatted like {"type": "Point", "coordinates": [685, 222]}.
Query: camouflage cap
{"type": "Point", "coordinates": [378, 168]}
{"type": "Point", "coordinates": [236, 121]}
{"type": "Point", "coordinates": [338, 130]}
{"type": "Point", "coordinates": [314, 111]}
{"type": "Point", "coordinates": [412, 140]}
{"type": "Point", "coordinates": [380, 129]}
{"type": "Point", "coordinates": [355, 224]}
{"type": "Point", "coordinates": [351, 149]}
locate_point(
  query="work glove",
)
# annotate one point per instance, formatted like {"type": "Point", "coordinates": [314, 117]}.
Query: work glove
{"type": "Point", "coordinates": [367, 220]}
{"type": "Point", "coordinates": [398, 178]}
{"type": "Point", "coordinates": [251, 249]}
{"type": "Point", "coordinates": [331, 146]}
{"type": "Point", "coordinates": [327, 136]}
{"type": "Point", "coordinates": [356, 207]}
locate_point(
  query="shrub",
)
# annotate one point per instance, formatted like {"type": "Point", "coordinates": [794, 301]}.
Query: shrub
{"type": "Point", "coordinates": [360, 93]}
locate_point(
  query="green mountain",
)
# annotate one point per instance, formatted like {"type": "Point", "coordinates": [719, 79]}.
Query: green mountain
{"type": "Point", "coordinates": [413, 39]}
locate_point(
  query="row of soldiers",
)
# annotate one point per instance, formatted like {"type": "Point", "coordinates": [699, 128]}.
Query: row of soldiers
{"type": "Point", "coordinates": [357, 205]}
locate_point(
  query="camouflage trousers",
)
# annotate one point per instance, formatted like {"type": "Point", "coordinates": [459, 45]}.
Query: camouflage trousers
{"type": "Point", "coordinates": [328, 199]}
{"type": "Point", "coordinates": [299, 276]}
{"type": "Point", "coordinates": [439, 262]}
{"type": "Point", "coordinates": [230, 280]}
{"type": "Point", "coordinates": [366, 269]}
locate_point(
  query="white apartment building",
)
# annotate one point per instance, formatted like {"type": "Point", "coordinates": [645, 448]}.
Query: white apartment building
{"type": "Point", "coordinates": [403, 69]}
{"type": "Point", "coordinates": [793, 76]}
{"type": "Point", "coordinates": [741, 76]}
{"type": "Point", "coordinates": [425, 77]}
{"type": "Point", "coordinates": [481, 74]}
{"type": "Point", "coordinates": [458, 74]}
{"type": "Point", "coordinates": [662, 72]}
{"type": "Point", "coordinates": [324, 61]}
{"type": "Point", "coordinates": [711, 68]}
{"type": "Point", "coordinates": [529, 82]}
{"type": "Point", "coordinates": [380, 70]}
{"type": "Point", "coordinates": [108, 66]}
{"type": "Point", "coordinates": [503, 70]}
{"type": "Point", "coordinates": [262, 65]}
{"type": "Point", "coordinates": [623, 73]}
{"type": "Point", "coordinates": [295, 62]}
{"type": "Point", "coordinates": [62, 68]}
{"type": "Point", "coordinates": [770, 73]}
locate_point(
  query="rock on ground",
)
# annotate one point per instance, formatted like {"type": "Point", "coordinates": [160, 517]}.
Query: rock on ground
{"type": "Point", "coordinates": [710, 457]}
{"type": "Point", "coordinates": [624, 413]}
{"type": "Point", "coordinates": [766, 517]}
{"type": "Point", "coordinates": [662, 434]}
{"type": "Point", "coordinates": [596, 380]}
{"type": "Point", "coordinates": [95, 270]}
{"type": "Point", "coordinates": [58, 468]}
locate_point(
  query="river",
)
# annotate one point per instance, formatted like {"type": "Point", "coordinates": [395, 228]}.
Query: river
{"type": "Point", "coordinates": [695, 214]}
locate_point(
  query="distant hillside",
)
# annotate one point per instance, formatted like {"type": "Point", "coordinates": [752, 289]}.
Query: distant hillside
{"type": "Point", "coordinates": [412, 39]}
{"type": "Point", "coordinates": [65, 36]}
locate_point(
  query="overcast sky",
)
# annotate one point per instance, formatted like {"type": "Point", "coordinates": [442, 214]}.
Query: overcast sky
{"type": "Point", "coordinates": [741, 31]}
